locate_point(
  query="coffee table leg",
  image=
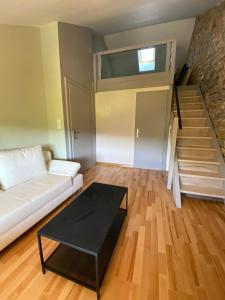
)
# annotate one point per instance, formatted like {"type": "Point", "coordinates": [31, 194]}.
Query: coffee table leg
{"type": "Point", "coordinates": [41, 253]}
{"type": "Point", "coordinates": [97, 277]}
{"type": "Point", "coordinates": [126, 203]}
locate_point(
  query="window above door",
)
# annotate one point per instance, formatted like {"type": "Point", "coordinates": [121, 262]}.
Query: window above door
{"type": "Point", "coordinates": [146, 59]}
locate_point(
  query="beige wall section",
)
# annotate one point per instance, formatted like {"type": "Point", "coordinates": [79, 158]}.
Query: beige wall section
{"type": "Point", "coordinates": [22, 105]}
{"type": "Point", "coordinates": [115, 125]}
{"type": "Point", "coordinates": [135, 82]}
{"type": "Point", "coordinates": [180, 30]}
{"type": "Point", "coordinates": [115, 120]}
{"type": "Point", "coordinates": [53, 92]}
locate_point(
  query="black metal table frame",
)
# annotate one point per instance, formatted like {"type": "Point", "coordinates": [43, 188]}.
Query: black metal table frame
{"type": "Point", "coordinates": [97, 289]}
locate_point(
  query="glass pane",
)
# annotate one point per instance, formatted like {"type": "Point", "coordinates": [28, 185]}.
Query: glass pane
{"type": "Point", "coordinates": [134, 62]}
{"type": "Point", "coordinates": [146, 59]}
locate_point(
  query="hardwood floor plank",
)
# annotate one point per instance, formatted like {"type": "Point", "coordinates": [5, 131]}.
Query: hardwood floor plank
{"type": "Point", "coordinates": [162, 253]}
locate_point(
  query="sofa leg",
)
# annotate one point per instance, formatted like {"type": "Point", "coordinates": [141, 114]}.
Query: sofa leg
{"type": "Point", "coordinates": [79, 191]}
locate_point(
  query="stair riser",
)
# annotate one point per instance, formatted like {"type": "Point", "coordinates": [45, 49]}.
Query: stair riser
{"type": "Point", "coordinates": [190, 98]}
{"type": "Point", "coordinates": [200, 167]}
{"type": "Point", "coordinates": [193, 99]}
{"type": "Point", "coordinates": [194, 122]}
{"type": "Point", "coordinates": [201, 182]}
{"type": "Point", "coordinates": [196, 153]}
{"type": "Point", "coordinates": [188, 106]}
{"type": "Point", "coordinates": [187, 93]}
{"type": "Point", "coordinates": [198, 132]}
{"type": "Point", "coordinates": [203, 191]}
{"type": "Point", "coordinates": [194, 142]}
{"type": "Point", "coordinates": [190, 87]}
{"type": "Point", "coordinates": [191, 114]}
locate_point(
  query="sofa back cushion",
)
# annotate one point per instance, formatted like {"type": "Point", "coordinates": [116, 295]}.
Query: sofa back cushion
{"type": "Point", "coordinates": [20, 165]}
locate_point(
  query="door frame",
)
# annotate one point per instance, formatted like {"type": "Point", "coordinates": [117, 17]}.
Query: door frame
{"type": "Point", "coordinates": [69, 132]}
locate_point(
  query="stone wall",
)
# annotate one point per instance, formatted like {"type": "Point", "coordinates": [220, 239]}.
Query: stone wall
{"type": "Point", "coordinates": [207, 59]}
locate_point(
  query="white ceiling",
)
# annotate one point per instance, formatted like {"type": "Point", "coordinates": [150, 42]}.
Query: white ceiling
{"type": "Point", "coordinates": [103, 16]}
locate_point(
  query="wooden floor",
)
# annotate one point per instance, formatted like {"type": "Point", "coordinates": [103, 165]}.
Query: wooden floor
{"type": "Point", "coordinates": [162, 252]}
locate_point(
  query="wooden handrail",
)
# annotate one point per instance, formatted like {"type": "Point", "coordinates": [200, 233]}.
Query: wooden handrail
{"type": "Point", "coordinates": [177, 105]}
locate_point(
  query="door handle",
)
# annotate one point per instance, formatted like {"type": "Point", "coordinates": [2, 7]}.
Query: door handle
{"type": "Point", "coordinates": [137, 133]}
{"type": "Point", "coordinates": [75, 132]}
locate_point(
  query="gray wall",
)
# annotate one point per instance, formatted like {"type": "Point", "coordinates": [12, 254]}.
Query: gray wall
{"type": "Point", "coordinates": [152, 111]}
{"type": "Point", "coordinates": [76, 62]}
{"type": "Point", "coordinates": [99, 45]}
{"type": "Point", "coordinates": [75, 48]}
{"type": "Point", "coordinates": [180, 30]}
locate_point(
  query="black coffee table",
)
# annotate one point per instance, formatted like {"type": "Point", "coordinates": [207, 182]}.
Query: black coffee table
{"type": "Point", "coordinates": [87, 231]}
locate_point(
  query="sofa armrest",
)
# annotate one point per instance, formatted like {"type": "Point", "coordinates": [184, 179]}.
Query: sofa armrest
{"type": "Point", "coordinates": [65, 168]}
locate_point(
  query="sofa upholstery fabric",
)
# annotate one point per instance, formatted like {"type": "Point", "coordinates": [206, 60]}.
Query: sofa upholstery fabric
{"type": "Point", "coordinates": [21, 201]}
{"type": "Point", "coordinates": [21, 165]}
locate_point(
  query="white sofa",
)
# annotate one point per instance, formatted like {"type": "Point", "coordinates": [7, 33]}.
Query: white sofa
{"type": "Point", "coordinates": [31, 186]}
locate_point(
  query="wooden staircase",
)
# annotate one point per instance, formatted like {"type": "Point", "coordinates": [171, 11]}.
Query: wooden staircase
{"type": "Point", "coordinates": [200, 165]}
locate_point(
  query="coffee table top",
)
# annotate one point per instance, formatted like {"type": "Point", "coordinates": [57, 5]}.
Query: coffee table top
{"type": "Point", "coordinates": [85, 222]}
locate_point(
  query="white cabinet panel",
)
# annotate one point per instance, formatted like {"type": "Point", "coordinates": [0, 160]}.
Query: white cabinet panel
{"type": "Point", "coordinates": [115, 121]}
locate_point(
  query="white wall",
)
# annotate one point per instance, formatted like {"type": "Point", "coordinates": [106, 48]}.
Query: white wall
{"type": "Point", "coordinates": [180, 30]}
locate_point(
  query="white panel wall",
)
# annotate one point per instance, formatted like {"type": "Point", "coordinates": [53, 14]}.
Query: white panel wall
{"type": "Point", "coordinates": [115, 125]}
{"type": "Point", "coordinates": [115, 122]}
{"type": "Point", "coordinates": [180, 30]}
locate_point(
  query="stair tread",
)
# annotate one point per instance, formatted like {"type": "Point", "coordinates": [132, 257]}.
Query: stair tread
{"type": "Point", "coordinates": [186, 134]}
{"type": "Point", "coordinates": [188, 103]}
{"type": "Point", "coordinates": [189, 110]}
{"type": "Point", "coordinates": [189, 87]}
{"type": "Point", "coordinates": [184, 110]}
{"type": "Point", "coordinates": [195, 127]}
{"type": "Point", "coordinates": [187, 94]}
{"type": "Point", "coordinates": [194, 118]}
{"type": "Point", "coordinates": [203, 191]}
{"type": "Point", "coordinates": [185, 103]}
{"type": "Point", "coordinates": [187, 90]}
{"type": "Point", "coordinates": [209, 175]}
{"type": "Point", "coordinates": [196, 97]}
{"type": "Point", "coordinates": [198, 159]}
{"type": "Point", "coordinates": [189, 98]}
{"type": "Point", "coordinates": [196, 148]}
{"type": "Point", "coordinates": [194, 137]}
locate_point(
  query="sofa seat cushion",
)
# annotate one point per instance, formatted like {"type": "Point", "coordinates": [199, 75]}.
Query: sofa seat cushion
{"type": "Point", "coordinates": [21, 201]}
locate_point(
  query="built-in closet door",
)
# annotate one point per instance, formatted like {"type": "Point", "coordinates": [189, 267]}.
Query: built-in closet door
{"type": "Point", "coordinates": [150, 122]}
{"type": "Point", "coordinates": [81, 133]}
